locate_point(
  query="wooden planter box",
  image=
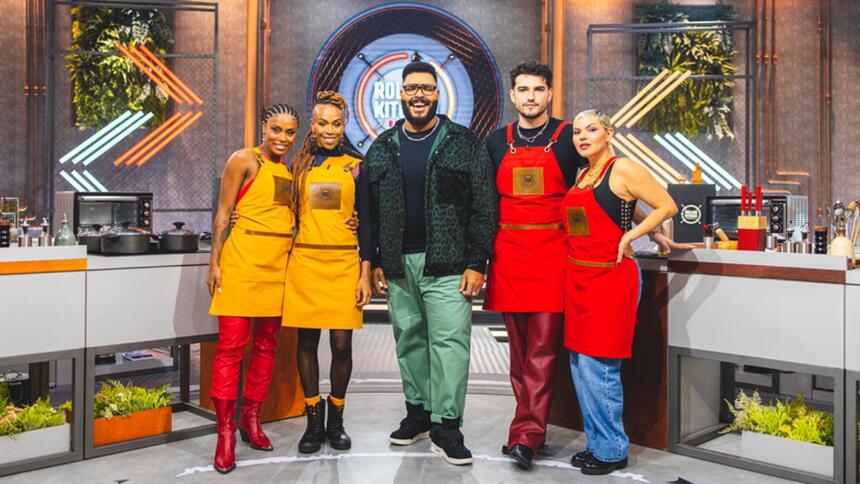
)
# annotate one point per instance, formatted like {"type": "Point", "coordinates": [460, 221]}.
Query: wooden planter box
{"type": "Point", "coordinates": [35, 443]}
{"type": "Point", "coordinates": [136, 426]}
{"type": "Point", "coordinates": [792, 454]}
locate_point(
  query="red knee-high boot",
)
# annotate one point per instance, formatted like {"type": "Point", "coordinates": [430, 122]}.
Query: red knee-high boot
{"type": "Point", "coordinates": [225, 449]}
{"type": "Point", "coordinates": [257, 382]}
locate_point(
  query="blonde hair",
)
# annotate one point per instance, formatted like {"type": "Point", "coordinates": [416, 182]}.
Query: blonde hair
{"type": "Point", "coordinates": [604, 119]}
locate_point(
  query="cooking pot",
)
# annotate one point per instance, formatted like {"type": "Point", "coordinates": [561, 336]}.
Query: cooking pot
{"type": "Point", "coordinates": [124, 241]}
{"type": "Point", "coordinates": [92, 238]}
{"type": "Point", "coordinates": [178, 239]}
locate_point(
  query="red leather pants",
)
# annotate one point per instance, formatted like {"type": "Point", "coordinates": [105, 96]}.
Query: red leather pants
{"type": "Point", "coordinates": [233, 336]}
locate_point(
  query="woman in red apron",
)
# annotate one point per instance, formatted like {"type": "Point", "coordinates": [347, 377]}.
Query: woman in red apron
{"type": "Point", "coordinates": [602, 284]}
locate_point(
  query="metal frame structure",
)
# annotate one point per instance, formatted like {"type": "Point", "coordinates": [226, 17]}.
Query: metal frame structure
{"type": "Point", "coordinates": [76, 451]}
{"type": "Point", "coordinates": [689, 446]}
{"type": "Point", "coordinates": [184, 404]}
{"type": "Point", "coordinates": [749, 76]}
{"type": "Point", "coordinates": [54, 52]}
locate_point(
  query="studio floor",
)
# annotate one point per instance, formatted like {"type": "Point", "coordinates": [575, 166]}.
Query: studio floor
{"type": "Point", "coordinates": [370, 417]}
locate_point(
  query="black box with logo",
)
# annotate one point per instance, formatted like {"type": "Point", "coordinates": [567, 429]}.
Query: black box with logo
{"type": "Point", "coordinates": [691, 200]}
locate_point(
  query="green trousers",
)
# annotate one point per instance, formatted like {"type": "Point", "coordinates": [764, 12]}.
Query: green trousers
{"type": "Point", "coordinates": [432, 328]}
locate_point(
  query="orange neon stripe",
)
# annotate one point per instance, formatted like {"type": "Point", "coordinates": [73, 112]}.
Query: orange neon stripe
{"type": "Point", "coordinates": [172, 75]}
{"type": "Point", "coordinates": [155, 139]}
{"type": "Point", "coordinates": [154, 69]}
{"type": "Point", "coordinates": [170, 138]}
{"type": "Point", "coordinates": [145, 69]}
{"type": "Point", "coordinates": [146, 139]}
{"type": "Point", "coordinates": [42, 266]}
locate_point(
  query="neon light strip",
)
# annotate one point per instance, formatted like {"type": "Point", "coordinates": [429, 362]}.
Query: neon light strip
{"type": "Point", "coordinates": [143, 68]}
{"type": "Point", "coordinates": [119, 137]}
{"type": "Point", "coordinates": [708, 160]}
{"type": "Point", "coordinates": [89, 176]}
{"type": "Point", "coordinates": [644, 159]}
{"type": "Point", "coordinates": [106, 138]}
{"type": "Point", "coordinates": [621, 148]}
{"type": "Point", "coordinates": [658, 88]}
{"type": "Point", "coordinates": [147, 138]}
{"type": "Point", "coordinates": [157, 139]}
{"type": "Point", "coordinates": [449, 88]}
{"type": "Point", "coordinates": [654, 156]}
{"type": "Point", "coordinates": [171, 74]}
{"type": "Point", "coordinates": [689, 154]}
{"type": "Point", "coordinates": [359, 96]}
{"type": "Point", "coordinates": [72, 181]}
{"type": "Point", "coordinates": [95, 137]}
{"type": "Point", "coordinates": [173, 135]}
{"type": "Point", "coordinates": [691, 166]}
{"type": "Point", "coordinates": [161, 75]}
{"type": "Point", "coordinates": [83, 182]}
{"type": "Point", "coordinates": [635, 99]}
{"type": "Point", "coordinates": [647, 109]}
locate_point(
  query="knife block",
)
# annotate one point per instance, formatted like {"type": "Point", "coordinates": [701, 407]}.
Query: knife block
{"type": "Point", "coordinates": [752, 232]}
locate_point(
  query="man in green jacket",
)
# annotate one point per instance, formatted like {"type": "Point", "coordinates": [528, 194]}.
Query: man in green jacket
{"type": "Point", "coordinates": [434, 213]}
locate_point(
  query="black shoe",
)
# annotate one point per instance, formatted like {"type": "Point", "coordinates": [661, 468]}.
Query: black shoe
{"type": "Point", "coordinates": [447, 441]}
{"type": "Point", "coordinates": [415, 427]}
{"type": "Point", "coordinates": [523, 455]}
{"type": "Point", "coordinates": [334, 431]}
{"type": "Point", "coordinates": [592, 466]}
{"type": "Point", "coordinates": [579, 458]}
{"type": "Point", "coordinates": [542, 449]}
{"type": "Point", "coordinates": [314, 436]}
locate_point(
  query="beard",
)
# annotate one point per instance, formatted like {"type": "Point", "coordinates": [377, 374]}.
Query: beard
{"type": "Point", "coordinates": [533, 116]}
{"type": "Point", "coordinates": [419, 120]}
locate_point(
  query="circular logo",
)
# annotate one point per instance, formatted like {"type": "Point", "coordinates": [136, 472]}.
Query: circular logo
{"type": "Point", "coordinates": [529, 180]}
{"type": "Point", "coordinates": [364, 60]}
{"type": "Point", "coordinates": [326, 193]}
{"type": "Point", "coordinates": [691, 214]}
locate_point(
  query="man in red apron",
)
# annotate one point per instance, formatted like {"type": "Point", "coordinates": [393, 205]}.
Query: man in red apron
{"type": "Point", "coordinates": [536, 163]}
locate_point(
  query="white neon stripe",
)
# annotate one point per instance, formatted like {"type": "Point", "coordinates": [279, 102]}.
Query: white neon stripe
{"type": "Point", "coordinates": [691, 166]}
{"type": "Point", "coordinates": [95, 137]}
{"type": "Point", "coordinates": [72, 181]}
{"type": "Point", "coordinates": [708, 160]}
{"type": "Point", "coordinates": [106, 138]}
{"type": "Point", "coordinates": [635, 158]}
{"type": "Point", "coordinates": [95, 182]}
{"type": "Point", "coordinates": [694, 158]}
{"type": "Point", "coordinates": [643, 158]}
{"type": "Point", "coordinates": [83, 181]}
{"type": "Point", "coordinates": [119, 137]}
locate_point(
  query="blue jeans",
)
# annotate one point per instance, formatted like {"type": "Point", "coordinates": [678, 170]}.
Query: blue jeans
{"type": "Point", "coordinates": [601, 399]}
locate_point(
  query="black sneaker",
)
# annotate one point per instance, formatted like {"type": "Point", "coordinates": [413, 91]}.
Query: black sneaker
{"type": "Point", "coordinates": [592, 466]}
{"type": "Point", "coordinates": [415, 427]}
{"type": "Point", "coordinates": [447, 441]}
{"type": "Point", "coordinates": [579, 458]}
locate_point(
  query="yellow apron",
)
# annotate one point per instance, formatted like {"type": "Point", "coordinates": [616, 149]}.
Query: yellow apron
{"type": "Point", "coordinates": [254, 257]}
{"type": "Point", "coordinates": [324, 265]}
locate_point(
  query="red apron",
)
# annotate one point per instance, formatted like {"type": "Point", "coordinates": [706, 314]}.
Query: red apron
{"type": "Point", "coordinates": [600, 296]}
{"type": "Point", "coordinates": [527, 270]}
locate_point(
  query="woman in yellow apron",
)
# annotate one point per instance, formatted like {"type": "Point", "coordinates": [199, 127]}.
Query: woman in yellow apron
{"type": "Point", "coordinates": [328, 278]}
{"type": "Point", "coordinates": [246, 277]}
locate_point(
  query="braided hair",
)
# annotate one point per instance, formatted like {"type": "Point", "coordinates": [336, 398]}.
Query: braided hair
{"type": "Point", "coordinates": [279, 108]}
{"type": "Point", "coordinates": [304, 159]}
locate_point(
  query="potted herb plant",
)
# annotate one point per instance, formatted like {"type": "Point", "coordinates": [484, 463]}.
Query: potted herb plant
{"type": "Point", "coordinates": [788, 434]}
{"type": "Point", "coordinates": [31, 431]}
{"type": "Point", "coordinates": [128, 412]}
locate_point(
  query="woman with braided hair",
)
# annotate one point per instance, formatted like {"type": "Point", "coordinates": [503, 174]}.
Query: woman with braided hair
{"type": "Point", "coordinates": [246, 277]}
{"type": "Point", "coordinates": [328, 278]}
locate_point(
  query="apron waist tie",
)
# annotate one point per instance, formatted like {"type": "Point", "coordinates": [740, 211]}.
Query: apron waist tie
{"type": "Point", "coordinates": [531, 226]}
{"type": "Point", "coordinates": [268, 234]}
{"type": "Point", "coordinates": [302, 245]}
{"type": "Point", "coordinates": [590, 263]}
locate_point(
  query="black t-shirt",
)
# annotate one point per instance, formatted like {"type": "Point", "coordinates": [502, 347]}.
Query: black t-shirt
{"type": "Point", "coordinates": [414, 156]}
{"type": "Point", "coordinates": [569, 161]}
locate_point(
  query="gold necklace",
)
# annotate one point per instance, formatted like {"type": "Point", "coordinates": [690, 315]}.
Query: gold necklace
{"type": "Point", "coordinates": [592, 174]}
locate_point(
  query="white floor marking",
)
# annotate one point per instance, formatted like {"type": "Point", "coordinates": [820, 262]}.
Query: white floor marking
{"type": "Point", "coordinates": [353, 455]}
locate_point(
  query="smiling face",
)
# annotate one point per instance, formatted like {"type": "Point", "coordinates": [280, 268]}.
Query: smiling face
{"type": "Point", "coordinates": [419, 106]}
{"type": "Point", "coordinates": [590, 135]}
{"type": "Point", "coordinates": [327, 124]}
{"type": "Point", "coordinates": [531, 96]}
{"type": "Point", "coordinates": [279, 134]}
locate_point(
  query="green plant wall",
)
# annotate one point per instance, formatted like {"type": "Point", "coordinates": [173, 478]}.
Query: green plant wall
{"type": "Point", "coordinates": [105, 86]}
{"type": "Point", "coordinates": [696, 106]}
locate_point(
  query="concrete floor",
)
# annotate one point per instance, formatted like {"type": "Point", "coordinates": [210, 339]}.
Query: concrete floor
{"type": "Point", "coordinates": [370, 418]}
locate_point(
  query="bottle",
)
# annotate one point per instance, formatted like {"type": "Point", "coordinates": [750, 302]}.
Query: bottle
{"type": "Point", "coordinates": [45, 236]}
{"type": "Point", "coordinates": [697, 175]}
{"type": "Point", "coordinates": [65, 235]}
{"type": "Point", "coordinates": [24, 235]}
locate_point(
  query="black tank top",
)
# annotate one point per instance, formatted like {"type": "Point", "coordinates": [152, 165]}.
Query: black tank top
{"type": "Point", "coordinates": [618, 209]}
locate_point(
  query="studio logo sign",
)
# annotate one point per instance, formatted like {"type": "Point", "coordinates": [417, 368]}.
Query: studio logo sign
{"type": "Point", "coordinates": [364, 60]}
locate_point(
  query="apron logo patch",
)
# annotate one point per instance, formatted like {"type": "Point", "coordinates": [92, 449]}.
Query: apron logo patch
{"type": "Point", "coordinates": [283, 189]}
{"type": "Point", "coordinates": [577, 222]}
{"type": "Point", "coordinates": [325, 196]}
{"type": "Point", "coordinates": [528, 180]}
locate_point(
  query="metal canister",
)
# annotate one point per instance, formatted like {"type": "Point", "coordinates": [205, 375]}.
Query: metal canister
{"type": "Point", "coordinates": [709, 242]}
{"type": "Point", "coordinates": [24, 236]}
{"type": "Point", "coordinates": [787, 247]}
